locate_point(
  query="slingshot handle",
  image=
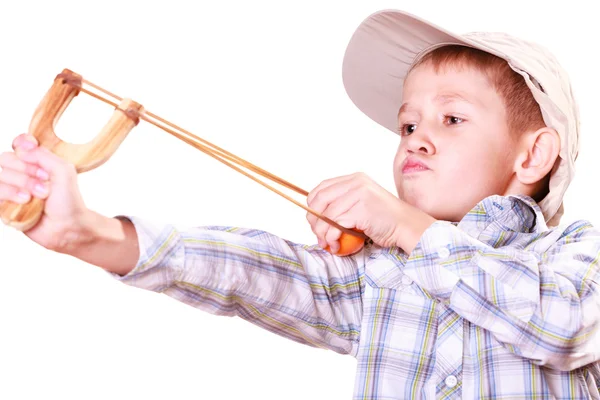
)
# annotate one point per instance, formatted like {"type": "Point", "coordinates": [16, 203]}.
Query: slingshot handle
{"type": "Point", "coordinates": [84, 157]}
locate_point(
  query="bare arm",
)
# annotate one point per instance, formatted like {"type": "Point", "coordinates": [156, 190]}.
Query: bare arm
{"type": "Point", "coordinates": [109, 243]}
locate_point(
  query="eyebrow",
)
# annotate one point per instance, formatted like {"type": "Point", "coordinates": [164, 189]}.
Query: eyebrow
{"type": "Point", "coordinates": [441, 98]}
{"type": "Point", "coordinates": [450, 97]}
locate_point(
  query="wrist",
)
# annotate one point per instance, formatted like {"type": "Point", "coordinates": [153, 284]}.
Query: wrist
{"type": "Point", "coordinates": [412, 226]}
{"type": "Point", "coordinates": [89, 229]}
{"type": "Point", "coordinates": [109, 243]}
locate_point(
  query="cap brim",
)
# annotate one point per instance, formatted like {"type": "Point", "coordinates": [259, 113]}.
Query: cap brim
{"type": "Point", "coordinates": [379, 55]}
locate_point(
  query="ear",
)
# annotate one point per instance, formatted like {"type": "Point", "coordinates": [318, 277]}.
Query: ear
{"type": "Point", "coordinates": [537, 155]}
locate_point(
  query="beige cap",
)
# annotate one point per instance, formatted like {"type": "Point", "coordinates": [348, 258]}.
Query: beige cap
{"type": "Point", "coordinates": [387, 43]}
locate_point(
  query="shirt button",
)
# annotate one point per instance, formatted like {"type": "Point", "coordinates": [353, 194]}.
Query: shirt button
{"type": "Point", "coordinates": [451, 381]}
{"type": "Point", "coordinates": [443, 252]}
{"type": "Point", "coordinates": [406, 280]}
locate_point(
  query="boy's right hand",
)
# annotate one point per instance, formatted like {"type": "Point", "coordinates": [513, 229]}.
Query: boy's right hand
{"type": "Point", "coordinates": [31, 170]}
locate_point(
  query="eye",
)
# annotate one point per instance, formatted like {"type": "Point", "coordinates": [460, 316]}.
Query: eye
{"type": "Point", "coordinates": [453, 120]}
{"type": "Point", "coordinates": [407, 129]}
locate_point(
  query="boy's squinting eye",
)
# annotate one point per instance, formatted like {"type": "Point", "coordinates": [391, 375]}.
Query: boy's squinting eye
{"type": "Point", "coordinates": [407, 129]}
{"type": "Point", "coordinates": [453, 120]}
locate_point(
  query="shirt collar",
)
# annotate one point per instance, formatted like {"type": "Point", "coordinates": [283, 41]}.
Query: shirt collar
{"type": "Point", "coordinates": [513, 213]}
{"type": "Point", "coordinates": [516, 214]}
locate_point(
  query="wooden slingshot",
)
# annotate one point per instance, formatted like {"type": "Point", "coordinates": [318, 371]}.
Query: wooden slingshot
{"type": "Point", "coordinates": [94, 153]}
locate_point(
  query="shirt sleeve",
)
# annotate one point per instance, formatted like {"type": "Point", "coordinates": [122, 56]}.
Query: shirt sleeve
{"type": "Point", "coordinates": [544, 306]}
{"type": "Point", "coordinates": [299, 292]}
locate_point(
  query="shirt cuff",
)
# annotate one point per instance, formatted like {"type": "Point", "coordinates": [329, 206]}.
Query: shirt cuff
{"type": "Point", "coordinates": [161, 256]}
{"type": "Point", "coordinates": [433, 263]}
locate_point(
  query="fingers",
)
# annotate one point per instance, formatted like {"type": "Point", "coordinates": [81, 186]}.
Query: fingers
{"type": "Point", "coordinates": [339, 211]}
{"type": "Point", "coordinates": [19, 180]}
{"type": "Point", "coordinates": [57, 168]}
{"type": "Point", "coordinates": [327, 183]}
{"type": "Point", "coordinates": [333, 199]}
{"type": "Point", "coordinates": [24, 182]}
{"type": "Point", "coordinates": [11, 161]}
{"type": "Point", "coordinates": [321, 198]}
{"type": "Point", "coordinates": [25, 142]}
{"type": "Point", "coordinates": [325, 192]}
{"type": "Point", "coordinates": [14, 194]}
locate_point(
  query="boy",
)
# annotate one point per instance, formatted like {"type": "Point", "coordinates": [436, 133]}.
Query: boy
{"type": "Point", "coordinates": [469, 289]}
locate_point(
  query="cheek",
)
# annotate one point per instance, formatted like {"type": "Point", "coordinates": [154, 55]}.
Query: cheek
{"type": "Point", "coordinates": [481, 168]}
{"type": "Point", "coordinates": [398, 159]}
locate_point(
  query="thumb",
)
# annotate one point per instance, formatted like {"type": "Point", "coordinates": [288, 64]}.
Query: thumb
{"type": "Point", "coordinates": [59, 169]}
{"type": "Point", "coordinates": [25, 142]}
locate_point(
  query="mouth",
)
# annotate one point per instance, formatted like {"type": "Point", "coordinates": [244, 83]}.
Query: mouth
{"type": "Point", "coordinates": [412, 166]}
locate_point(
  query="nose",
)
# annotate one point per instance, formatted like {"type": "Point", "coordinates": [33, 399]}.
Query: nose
{"type": "Point", "coordinates": [419, 142]}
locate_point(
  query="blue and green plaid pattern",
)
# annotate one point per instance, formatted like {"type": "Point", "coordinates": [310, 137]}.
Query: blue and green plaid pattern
{"type": "Point", "coordinates": [496, 306]}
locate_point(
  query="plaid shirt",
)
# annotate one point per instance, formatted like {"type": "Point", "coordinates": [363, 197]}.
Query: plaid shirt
{"type": "Point", "coordinates": [495, 306]}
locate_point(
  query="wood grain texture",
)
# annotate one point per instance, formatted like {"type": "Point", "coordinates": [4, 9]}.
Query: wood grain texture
{"type": "Point", "coordinates": [84, 157]}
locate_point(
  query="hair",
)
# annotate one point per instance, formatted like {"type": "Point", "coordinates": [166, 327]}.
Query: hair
{"type": "Point", "coordinates": [522, 110]}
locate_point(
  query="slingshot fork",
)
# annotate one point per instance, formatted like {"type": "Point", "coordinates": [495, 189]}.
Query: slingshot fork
{"type": "Point", "coordinates": [84, 157]}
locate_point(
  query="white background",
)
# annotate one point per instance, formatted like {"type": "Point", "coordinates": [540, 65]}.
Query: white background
{"type": "Point", "coordinates": [247, 76]}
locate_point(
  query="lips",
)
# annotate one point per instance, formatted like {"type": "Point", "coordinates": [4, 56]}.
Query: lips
{"type": "Point", "coordinates": [412, 165]}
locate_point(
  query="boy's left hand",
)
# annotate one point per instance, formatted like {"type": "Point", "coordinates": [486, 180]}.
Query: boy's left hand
{"type": "Point", "coordinates": [357, 202]}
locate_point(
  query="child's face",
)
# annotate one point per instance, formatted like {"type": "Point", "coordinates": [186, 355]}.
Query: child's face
{"type": "Point", "coordinates": [456, 125]}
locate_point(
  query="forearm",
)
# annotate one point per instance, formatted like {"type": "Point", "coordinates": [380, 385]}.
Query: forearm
{"type": "Point", "coordinates": [302, 293]}
{"type": "Point", "coordinates": [299, 292]}
{"type": "Point", "coordinates": [109, 243]}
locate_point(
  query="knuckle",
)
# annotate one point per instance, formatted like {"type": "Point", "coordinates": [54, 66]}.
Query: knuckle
{"type": "Point", "coordinates": [319, 202]}
{"type": "Point", "coordinates": [362, 190]}
{"type": "Point", "coordinates": [320, 228]}
{"type": "Point", "coordinates": [315, 203]}
{"type": "Point", "coordinates": [31, 169]}
{"type": "Point", "coordinates": [28, 182]}
{"type": "Point", "coordinates": [314, 194]}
